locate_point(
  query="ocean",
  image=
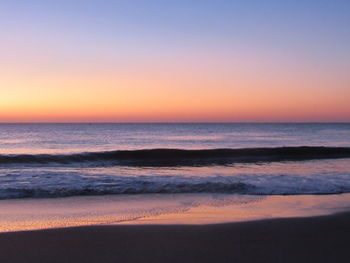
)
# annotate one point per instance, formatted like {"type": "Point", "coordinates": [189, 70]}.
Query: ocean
{"type": "Point", "coordinates": [56, 160]}
{"type": "Point", "coordinates": [181, 165]}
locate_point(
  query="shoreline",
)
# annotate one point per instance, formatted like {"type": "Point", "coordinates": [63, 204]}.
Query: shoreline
{"type": "Point", "coordinates": [158, 209]}
{"type": "Point", "coordinates": [302, 239]}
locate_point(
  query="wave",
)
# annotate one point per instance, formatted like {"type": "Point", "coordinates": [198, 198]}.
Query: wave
{"type": "Point", "coordinates": [183, 157]}
{"type": "Point", "coordinates": [136, 188]}
{"type": "Point", "coordinates": [273, 185]}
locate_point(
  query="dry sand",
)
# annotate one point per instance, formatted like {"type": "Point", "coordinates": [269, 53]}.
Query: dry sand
{"type": "Point", "coordinates": [313, 239]}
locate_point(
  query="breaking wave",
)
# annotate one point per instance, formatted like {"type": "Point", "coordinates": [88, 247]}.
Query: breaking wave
{"type": "Point", "coordinates": [57, 184]}
{"type": "Point", "coordinates": [182, 157]}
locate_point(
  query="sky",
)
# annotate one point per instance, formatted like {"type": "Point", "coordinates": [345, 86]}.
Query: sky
{"type": "Point", "coordinates": [174, 61]}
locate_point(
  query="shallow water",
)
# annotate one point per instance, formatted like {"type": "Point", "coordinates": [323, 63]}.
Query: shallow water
{"type": "Point", "coordinates": [33, 214]}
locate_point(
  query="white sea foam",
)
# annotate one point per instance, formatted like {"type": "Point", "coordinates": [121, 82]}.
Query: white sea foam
{"type": "Point", "coordinates": [286, 178]}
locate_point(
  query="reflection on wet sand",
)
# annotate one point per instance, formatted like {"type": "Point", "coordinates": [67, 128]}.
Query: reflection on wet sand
{"type": "Point", "coordinates": [31, 214]}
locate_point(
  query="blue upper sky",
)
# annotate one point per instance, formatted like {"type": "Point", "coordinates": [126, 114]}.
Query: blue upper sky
{"type": "Point", "coordinates": [288, 25]}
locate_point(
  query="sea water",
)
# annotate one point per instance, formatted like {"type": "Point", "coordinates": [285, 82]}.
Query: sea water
{"type": "Point", "coordinates": [196, 163]}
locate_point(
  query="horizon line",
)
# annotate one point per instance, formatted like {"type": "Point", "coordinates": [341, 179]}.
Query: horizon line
{"type": "Point", "coordinates": [176, 122]}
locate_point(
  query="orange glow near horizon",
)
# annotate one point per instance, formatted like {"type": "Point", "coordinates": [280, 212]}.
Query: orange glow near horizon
{"type": "Point", "coordinates": [208, 90]}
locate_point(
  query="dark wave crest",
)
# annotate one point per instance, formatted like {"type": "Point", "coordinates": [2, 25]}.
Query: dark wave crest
{"type": "Point", "coordinates": [181, 157]}
{"type": "Point", "coordinates": [136, 188]}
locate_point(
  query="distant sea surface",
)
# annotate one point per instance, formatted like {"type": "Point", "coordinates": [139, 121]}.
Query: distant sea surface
{"type": "Point", "coordinates": [58, 160]}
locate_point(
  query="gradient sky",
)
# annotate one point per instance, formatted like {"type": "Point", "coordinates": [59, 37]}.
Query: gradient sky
{"type": "Point", "coordinates": [183, 60]}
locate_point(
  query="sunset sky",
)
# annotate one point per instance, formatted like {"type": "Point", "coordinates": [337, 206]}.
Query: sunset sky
{"type": "Point", "coordinates": [183, 60]}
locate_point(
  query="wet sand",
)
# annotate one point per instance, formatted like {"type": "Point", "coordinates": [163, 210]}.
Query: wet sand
{"type": "Point", "coordinates": [312, 239]}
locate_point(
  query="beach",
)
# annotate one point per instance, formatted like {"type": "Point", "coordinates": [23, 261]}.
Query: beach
{"type": "Point", "coordinates": [176, 228]}
{"type": "Point", "coordinates": [192, 192]}
{"type": "Point", "coordinates": [312, 239]}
